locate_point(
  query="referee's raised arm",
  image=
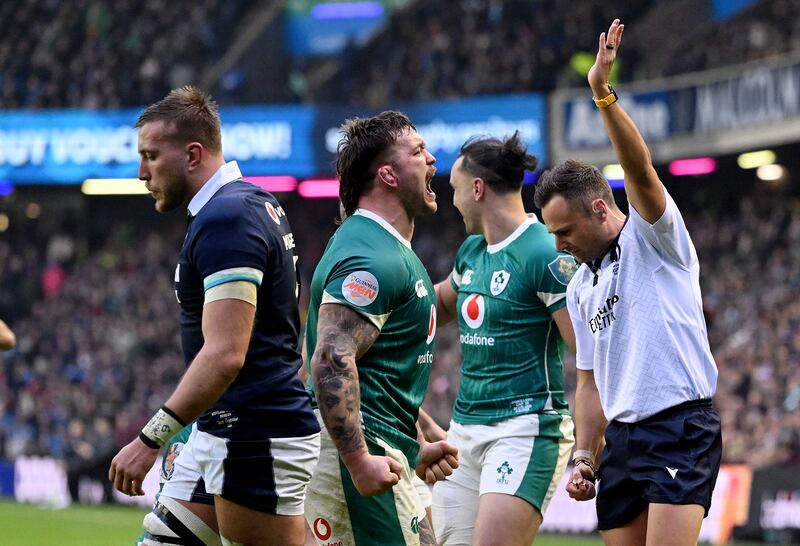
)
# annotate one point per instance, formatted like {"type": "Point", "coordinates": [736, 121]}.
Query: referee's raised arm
{"type": "Point", "coordinates": [642, 185]}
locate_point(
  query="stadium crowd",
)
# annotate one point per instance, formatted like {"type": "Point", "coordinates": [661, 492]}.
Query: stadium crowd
{"type": "Point", "coordinates": [767, 29]}
{"type": "Point", "coordinates": [92, 54]}
{"type": "Point", "coordinates": [102, 54]}
{"type": "Point", "coordinates": [513, 47]}
{"type": "Point", "coordinates": [97, 336]}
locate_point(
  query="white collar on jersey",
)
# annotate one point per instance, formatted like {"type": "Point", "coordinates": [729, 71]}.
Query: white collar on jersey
{"type": "Point", "coordinates": [383, 223]}
{"type": "Point", "coordinates": [225, 174]}
{"type": "Point", "coordinates": [497, 247]}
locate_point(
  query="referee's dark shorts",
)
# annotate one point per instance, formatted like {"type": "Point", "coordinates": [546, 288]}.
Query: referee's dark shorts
{"type": "Point", "coordinates": [672, 457]}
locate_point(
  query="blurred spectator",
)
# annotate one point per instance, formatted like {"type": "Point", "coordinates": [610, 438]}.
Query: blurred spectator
{"type": "Point", "coordinates": [457, 48]}
{"type": "Point", "coordinates": [103, 54]}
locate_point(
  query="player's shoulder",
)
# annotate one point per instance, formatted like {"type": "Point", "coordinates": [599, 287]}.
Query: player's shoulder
{"type": "Point", "coordinates": [358, 240]}
{"type": "Point", "coordinates": [472, 244]}
{"type": "Point", "coordinates": [230, 202]}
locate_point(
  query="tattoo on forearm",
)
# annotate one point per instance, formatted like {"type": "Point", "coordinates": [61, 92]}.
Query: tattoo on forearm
{"type": "Point", "coordinates": [426, 536]}
{"type": "Point", "coordinates": [342, 337]}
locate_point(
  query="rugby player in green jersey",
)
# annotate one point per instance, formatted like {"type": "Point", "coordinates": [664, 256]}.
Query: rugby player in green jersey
{"type": "Point", "coordinates": [511, 422]}
{"type": "Point", "coordinates": [370, 331]}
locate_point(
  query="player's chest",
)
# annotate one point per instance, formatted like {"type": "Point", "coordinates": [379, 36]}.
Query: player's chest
{"type": "Point", "coordinates": [492, 276]}
{"type": "Point", "coordinates": [189, 290]}
{"type": "Point", "coordinates": [492, 290]}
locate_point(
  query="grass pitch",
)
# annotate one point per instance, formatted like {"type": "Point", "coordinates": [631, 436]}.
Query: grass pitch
{"type": "Point", "coordinates": [31, 525]}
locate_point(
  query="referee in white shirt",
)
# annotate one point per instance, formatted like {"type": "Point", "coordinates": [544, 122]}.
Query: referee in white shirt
{"type": "Point", "coordinates": [645, 371]}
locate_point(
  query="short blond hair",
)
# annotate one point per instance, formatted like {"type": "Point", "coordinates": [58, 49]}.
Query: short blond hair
{"type": "Point", "coordinates": [193, 113]}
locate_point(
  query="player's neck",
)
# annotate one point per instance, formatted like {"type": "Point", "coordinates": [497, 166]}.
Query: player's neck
{"type": "Point", "coordinates": [203, 174]}
{"type": "Point", "coordinates": [394, 214]}
{"type": "Point", "coordinates": [503, 218]}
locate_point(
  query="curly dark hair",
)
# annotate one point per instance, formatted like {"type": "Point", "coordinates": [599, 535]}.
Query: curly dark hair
{"type": "Point", "coordinates": [364, 141]}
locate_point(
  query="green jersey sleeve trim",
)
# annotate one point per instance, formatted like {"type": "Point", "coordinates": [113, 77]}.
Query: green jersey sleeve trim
{"type": "Point", "coordinates": [455, 279]}
{"type": "Point", "coordinates": [377, 320]}
{"type": "Point", "coordinates": [550, 299]}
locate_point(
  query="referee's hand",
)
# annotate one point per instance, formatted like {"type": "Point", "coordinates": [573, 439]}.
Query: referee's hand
{"type": "Point", "coordinates": [581, 483]}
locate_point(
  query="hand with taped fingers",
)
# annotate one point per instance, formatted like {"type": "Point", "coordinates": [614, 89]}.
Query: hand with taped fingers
{"type": "Point", "coordinates": [130, 466]}
{"type": "Point", "coordinates": [437, 460]}
{"type": "Point", "coordinates": [607, 47]}
{"type": "Point", "coordinates": [581, 483]}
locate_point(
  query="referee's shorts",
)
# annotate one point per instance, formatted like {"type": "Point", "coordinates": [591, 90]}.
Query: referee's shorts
{"type": "Point", "coordinates": [672, 457]}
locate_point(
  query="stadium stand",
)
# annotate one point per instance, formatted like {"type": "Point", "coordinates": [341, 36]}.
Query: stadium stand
{"type": "Point", "coordinates": [99, 54]}
{"type": "Point", "coordinates": [459, 48]}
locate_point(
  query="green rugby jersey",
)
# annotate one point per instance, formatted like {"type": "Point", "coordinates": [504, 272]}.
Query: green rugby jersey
{"type": "Point", "coordinates": [511, 346]}
{"type": "Point", "coordinates": [369, 267]}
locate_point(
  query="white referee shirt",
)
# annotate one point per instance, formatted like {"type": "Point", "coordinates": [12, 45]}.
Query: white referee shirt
{"type": "Point", "coordinates": [639, 322]}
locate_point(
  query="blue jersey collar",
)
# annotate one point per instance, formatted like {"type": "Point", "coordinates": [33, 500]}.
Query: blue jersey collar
{"type": "Point", "coordinates": [225, 174]}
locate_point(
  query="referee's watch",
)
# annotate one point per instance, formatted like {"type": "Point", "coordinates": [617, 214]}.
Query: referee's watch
{"type": "Point", "coordinates": [606, 101]}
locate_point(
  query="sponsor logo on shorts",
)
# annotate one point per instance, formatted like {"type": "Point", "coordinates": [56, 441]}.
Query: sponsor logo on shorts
{"type": "Point", "coordinates": [431, 326]}
{"type": "Point", "coordinates": [360, 288]}
{"type": "Point", "coordinates": [168, 466]}
{"type": "Point", "coordinates": [322, 529]}
{"type": "Point", "coordinates": [499, 281]}
{"type": "Point", "coordinates": [415, 525]}
{"type": "Point", "coordinates": [503, 471]}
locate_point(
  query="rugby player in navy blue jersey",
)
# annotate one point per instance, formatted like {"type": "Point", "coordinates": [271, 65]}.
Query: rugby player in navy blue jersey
{"type": "Point", "coordinates": [256, 439]}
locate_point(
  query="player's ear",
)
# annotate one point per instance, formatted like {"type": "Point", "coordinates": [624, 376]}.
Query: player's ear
{"type": "Point", "coordinates": [478, 188]}
{"type": "Point", "coordinates": [387, 175]}
{"type": "Point", "coordinates": [194, 152]}
{"type": "Point", "coordinates": [599, 208]}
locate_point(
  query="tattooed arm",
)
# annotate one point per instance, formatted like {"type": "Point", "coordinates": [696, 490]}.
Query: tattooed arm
{"type": "Point", "coordinates": [426, 536]}
{"type": "Point", "coordinates": [343, 336]}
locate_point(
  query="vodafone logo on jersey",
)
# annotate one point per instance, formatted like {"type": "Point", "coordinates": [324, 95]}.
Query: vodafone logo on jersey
{"type": "Point", "coordinates": [473, 310]}
{"type": "Point", "coordinates": [431, 326]}
{"type": "Point", "coordinates": [274, 213]}
{"type": "Point", "coordinates": [360, 288]}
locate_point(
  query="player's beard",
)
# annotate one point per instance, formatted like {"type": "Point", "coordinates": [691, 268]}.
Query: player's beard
{"type": "Point", "coordinates": [415, 200]}
{"type": "Point", "coordinates": [173, 191]}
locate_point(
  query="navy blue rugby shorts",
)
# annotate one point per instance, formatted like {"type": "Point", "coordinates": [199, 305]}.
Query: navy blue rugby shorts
{"type": "Point", "coordinates": [672, 457]}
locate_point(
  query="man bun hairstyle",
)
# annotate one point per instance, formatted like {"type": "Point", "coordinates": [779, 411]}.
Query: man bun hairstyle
{"type": "Point", "coordinates": [193, 114]}
{"type": "Point", "coordinates": [500, 163]}
{"type": "Point", "coordinates": [365, 141]}
{"type": "Point", "coordinates": [577, 182]}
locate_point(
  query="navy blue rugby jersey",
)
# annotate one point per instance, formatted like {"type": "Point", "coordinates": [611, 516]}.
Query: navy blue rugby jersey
{"type": "Point", "coordinates": [239, 232]}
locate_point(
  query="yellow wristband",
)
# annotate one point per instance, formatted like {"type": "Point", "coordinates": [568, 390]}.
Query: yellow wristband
{"type": "Point", "coordinates": [607, 101]}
